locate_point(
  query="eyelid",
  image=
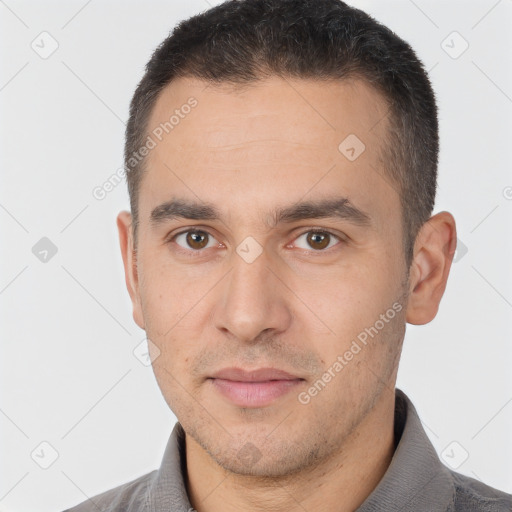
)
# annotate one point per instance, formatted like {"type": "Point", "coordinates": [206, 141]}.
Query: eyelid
{"type": "Point", "coordinates": [318, 229]}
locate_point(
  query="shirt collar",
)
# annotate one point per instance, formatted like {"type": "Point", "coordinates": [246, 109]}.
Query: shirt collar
{"type": "Point", "coordinates": [415, 479]}
{"type": "Point", "coordinates": [167, 491]}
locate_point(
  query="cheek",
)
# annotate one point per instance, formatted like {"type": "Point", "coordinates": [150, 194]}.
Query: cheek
{"type": "Point", "coordinates": [173, 306]}
{"type": "Point", "coordinates": [172, 369]}
{"type": "Point", "coordinates": [347, 301]}
{"type": "Point", "coordinates": [166, 296]}
{"type": "Point", "coordinates": [344, 296]}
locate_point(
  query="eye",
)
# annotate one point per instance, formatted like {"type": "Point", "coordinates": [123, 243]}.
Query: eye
{"type": "Point", "coordinates": [318, 240]}
{"type": "Point", "coordinates": [194, 239]}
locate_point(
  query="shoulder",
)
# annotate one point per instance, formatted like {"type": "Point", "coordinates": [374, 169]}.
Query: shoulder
{"type": "Point", "coordinates": [472, 495]}
{"type": "Point", "coordinates": [128, 497]}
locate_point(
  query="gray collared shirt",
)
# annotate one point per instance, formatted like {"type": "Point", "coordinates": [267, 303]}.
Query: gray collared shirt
{"type": "Point", "coordinates": [416, 480]}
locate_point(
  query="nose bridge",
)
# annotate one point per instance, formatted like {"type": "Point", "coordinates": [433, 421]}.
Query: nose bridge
{"type": "Point", "coordinates": [250, 279]}
{"type": "Point", "coordinates": [251, 298]}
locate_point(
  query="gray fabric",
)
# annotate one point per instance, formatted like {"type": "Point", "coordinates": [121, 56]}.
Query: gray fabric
{"type": "Point", "coordinates": [416, 480]}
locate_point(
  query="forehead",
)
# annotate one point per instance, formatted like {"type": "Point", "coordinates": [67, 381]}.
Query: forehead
{"type": "Point", "coordinates": [271, 140]}
{"type": "Point", "coordinates": [303, 111]}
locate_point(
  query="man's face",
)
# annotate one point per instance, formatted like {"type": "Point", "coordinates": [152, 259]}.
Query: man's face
{"type": "Point", "coordinates": [244, 292]}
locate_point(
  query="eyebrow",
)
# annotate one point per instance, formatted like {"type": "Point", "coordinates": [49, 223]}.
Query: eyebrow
{"type": "Point", "coordinates": [336, 208]}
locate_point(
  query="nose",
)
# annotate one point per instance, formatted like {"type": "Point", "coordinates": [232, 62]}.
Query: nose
{"type": "Point", "coordinates": [252, 299]}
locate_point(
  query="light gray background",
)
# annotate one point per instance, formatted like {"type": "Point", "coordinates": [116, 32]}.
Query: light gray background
{"type": "Point", "coordinates": [68, 373]}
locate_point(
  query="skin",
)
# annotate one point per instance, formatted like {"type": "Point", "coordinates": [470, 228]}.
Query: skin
{"type": "Point", "coordinates": [296, 307]}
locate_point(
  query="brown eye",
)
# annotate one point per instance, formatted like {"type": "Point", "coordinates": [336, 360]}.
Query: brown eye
{"type": "Point", "coordinates": [195, 240]}
{"type": "Point", "coordinates": [316, 240]}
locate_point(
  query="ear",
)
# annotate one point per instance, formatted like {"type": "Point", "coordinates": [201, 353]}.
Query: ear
{"type": "Point", "coordinates": [433, 254]}
{"type": "Point", "coordinates": [124, 226]}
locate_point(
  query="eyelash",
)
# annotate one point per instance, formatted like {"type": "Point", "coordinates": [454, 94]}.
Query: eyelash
{"type": "Point", "coordinates": [194, 253]}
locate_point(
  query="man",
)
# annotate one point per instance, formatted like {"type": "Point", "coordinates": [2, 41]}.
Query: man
{"type": "Point", "coordinates": [282, 163]}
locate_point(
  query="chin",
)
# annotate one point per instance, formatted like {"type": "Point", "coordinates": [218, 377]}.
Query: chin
{"type": "Point", "coordinates": [265, 460]}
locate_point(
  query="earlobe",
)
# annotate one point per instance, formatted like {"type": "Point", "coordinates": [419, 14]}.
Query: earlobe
{"type": "Point", "coordinates": [124, 226]}
{"type": "Point", "coordinates": [433, 255]}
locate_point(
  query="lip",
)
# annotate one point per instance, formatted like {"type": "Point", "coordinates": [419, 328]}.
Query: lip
{"type": "Point", "coordinates": [259, 375]}
{"type": "Point", "coordinates": [255, 388]}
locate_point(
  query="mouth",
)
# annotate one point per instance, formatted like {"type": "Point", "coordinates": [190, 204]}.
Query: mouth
{"type": "Point", "coordinates": [256, 388]}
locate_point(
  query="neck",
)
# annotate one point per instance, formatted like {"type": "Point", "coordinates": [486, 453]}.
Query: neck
{"type": "Point", "coordinates": [340, 483]}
